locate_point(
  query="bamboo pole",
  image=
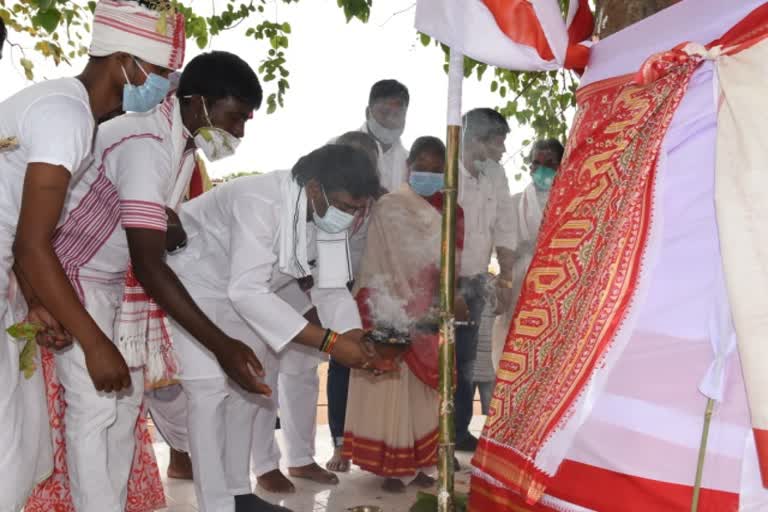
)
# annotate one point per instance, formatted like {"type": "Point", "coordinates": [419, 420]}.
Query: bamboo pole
{"type": "Point", "coordinates": [702, 454]}
{"type": "Point", "coordinates": [445, 496]}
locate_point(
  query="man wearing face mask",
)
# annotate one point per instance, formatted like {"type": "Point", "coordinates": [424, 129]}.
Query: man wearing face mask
{"type": "Point", "coordinates": [528, 212]}
{"type": "Point", "coordinates": [46, 132]}
{"type": "Point", "coordinates": [484, 195]}
{"type": "Point", "coordinates": [117, 225]}
{"type": "Point", "coordinates": [248, 239]}
{"type": "Point", "coordinates": [385, 121]}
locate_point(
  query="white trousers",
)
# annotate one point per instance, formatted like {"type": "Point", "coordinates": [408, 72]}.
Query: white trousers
{"type": "Point", "coordinates": [99, 426]}
{"type": "Point", "coordinates": [297, 401]}
{"type": "Point", "coordinates": [168, 408]}
{"type": "Point", "coordinates": [26, 453]}
{"type": "Point", "coordinates": [219, 413]}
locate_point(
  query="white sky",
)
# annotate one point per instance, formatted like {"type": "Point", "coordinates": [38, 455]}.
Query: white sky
{"type": "Point", "coordinates": [332, 65]}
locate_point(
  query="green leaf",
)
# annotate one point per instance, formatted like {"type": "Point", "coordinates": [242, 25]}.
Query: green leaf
{"type": "Point", "coordinates": [27, 356]}
{"type": "Point", "coordinates": [425, 39]}
{"type": "Point", "coordinates": [43, 5]}
{"type": "Point", "coordinates": [425, 502]}
{"type": "Point", "coordinates": [24, 330]}
{"type": "Point", "coordinates": [28, 67]}
{"type": "Point", "coordinates": [48, 19]}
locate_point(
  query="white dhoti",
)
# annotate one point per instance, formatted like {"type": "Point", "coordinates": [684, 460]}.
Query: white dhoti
{"type": "Point", "coordinates": [26, 454]}
{"type": "Point", "coordinates": [297, 394]}
{"type": "Point", "coordinates": [219, 415]}
{"type": "Point", "coordinates": [99, 426]}
{"type": "Point", "coordinates": [168, 407]}
{"type": "Point", "coordinates": [296, 390]}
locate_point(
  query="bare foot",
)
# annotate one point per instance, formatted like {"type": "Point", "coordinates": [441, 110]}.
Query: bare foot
{"type": "Point", "coordinates": [315, 473]}
{"type": "Point", "coordinates": [275, 481]}
{"type": "Point", "coordinates": [338, 464]}
{"type": "Point", "coordinates": [423, 481]}
{"type": "Point", "coordinates": [393, 485]}
{"type": "Point", "coordinates": [180, 466]}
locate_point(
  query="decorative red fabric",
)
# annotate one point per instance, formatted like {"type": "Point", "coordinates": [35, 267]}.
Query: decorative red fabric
{"type": "Point", "coordinates": [582, 279]}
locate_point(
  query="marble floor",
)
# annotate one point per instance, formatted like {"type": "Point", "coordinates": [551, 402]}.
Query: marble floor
{"type": "Point", "coordinates": [355, 488]}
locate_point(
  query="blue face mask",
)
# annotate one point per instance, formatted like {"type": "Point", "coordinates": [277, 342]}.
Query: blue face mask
{"type": "Point", "coordinates": [543, 178]}
{"type": "Point", "coordinates": [426, 184]}
{"type": "Point", "coordinates": [144, 97]}
{"type": "Point", "coordinates": [334, 220]}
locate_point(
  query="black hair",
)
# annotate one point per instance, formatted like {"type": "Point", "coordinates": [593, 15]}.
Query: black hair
{"type": "Point", "coordinates": [427, 144]}
{"type": "Point", "coordinates": [484, 123]}
{"type": "Point", "coordinates": [217, 75]}
{"type": "Point", "coordinates": [338, 167]}
{"type": "Point", "coordinates": [385, 89]}
{"type": "Point", "coordinates": [361, 140]}
{"type": "Point", "coordinates": [553, 145]}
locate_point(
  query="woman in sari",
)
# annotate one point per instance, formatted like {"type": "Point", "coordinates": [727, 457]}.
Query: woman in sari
{"type": "Point", "coordinates": [391, 427]}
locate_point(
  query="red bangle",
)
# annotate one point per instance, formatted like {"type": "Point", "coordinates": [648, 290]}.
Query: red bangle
{"type": "Point", "coordinates": [332, 338]}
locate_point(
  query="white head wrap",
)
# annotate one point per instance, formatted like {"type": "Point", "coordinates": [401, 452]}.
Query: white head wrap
{"type": "Point", "coordinates": [152, 36]}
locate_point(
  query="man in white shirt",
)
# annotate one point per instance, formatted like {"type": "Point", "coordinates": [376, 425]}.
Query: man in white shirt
{"type": "Point", "coordinates": [385, 118]}
{"type": "Point", "coordinates": [247, 240]}
{"type": "Point", "coordinates": [46, 131]}
{"type": "Point", "coordinates": [484, 195]}
{"type": "Point", "coordinates": [385, 121]}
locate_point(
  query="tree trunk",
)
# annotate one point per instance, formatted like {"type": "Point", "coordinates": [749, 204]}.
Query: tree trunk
{"type": "Point", "coordinates": [614, 15]}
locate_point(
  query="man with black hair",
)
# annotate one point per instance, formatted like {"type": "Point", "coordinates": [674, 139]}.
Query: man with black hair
{"type": "Point", "coordinates": [299, 384]}
{"type": "Point", "coordinates": [46, 134]}
{"type": "Point", "coordinates": [385, 121]}
{"type": "Point", "coordinates": [385, 116]}
{"type": "Point", "coordinates": [527, 213]}
{"type": "Point", "coordinates": [113, 245]}
{"type": "Point", "coordinates": [248, 239]}
{"type": "Point", "coordinates": [484, 195]}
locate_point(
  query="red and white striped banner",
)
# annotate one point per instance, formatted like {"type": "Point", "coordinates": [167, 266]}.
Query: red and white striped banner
{"type": "Point", "coordinates": [525, 35]}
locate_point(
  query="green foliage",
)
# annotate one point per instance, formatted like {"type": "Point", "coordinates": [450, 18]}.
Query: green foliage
{"type": "Point", "coordinates": [426, 502]}
{"type": "Point", "coordinates": [60, 27]}
{"type": "Point", "coordinates": [538, 99]}
{"type": "Point", "coordinates": [26, 331]}
{"type": "Point", "coordinates": [234, 175]}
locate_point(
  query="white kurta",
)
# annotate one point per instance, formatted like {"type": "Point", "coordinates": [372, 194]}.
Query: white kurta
{"type": "Point", "coordinates": [232, 262]}
{"type": "Point", "coordinates": [51, 123]}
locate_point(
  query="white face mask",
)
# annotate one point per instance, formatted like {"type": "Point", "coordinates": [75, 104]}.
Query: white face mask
{"type": "Point", "coordinates": [386, 136]}
{"type": "Point", "coordinates": [334, 220]}
{"type": "Point", "coordinates": [214, 142]}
